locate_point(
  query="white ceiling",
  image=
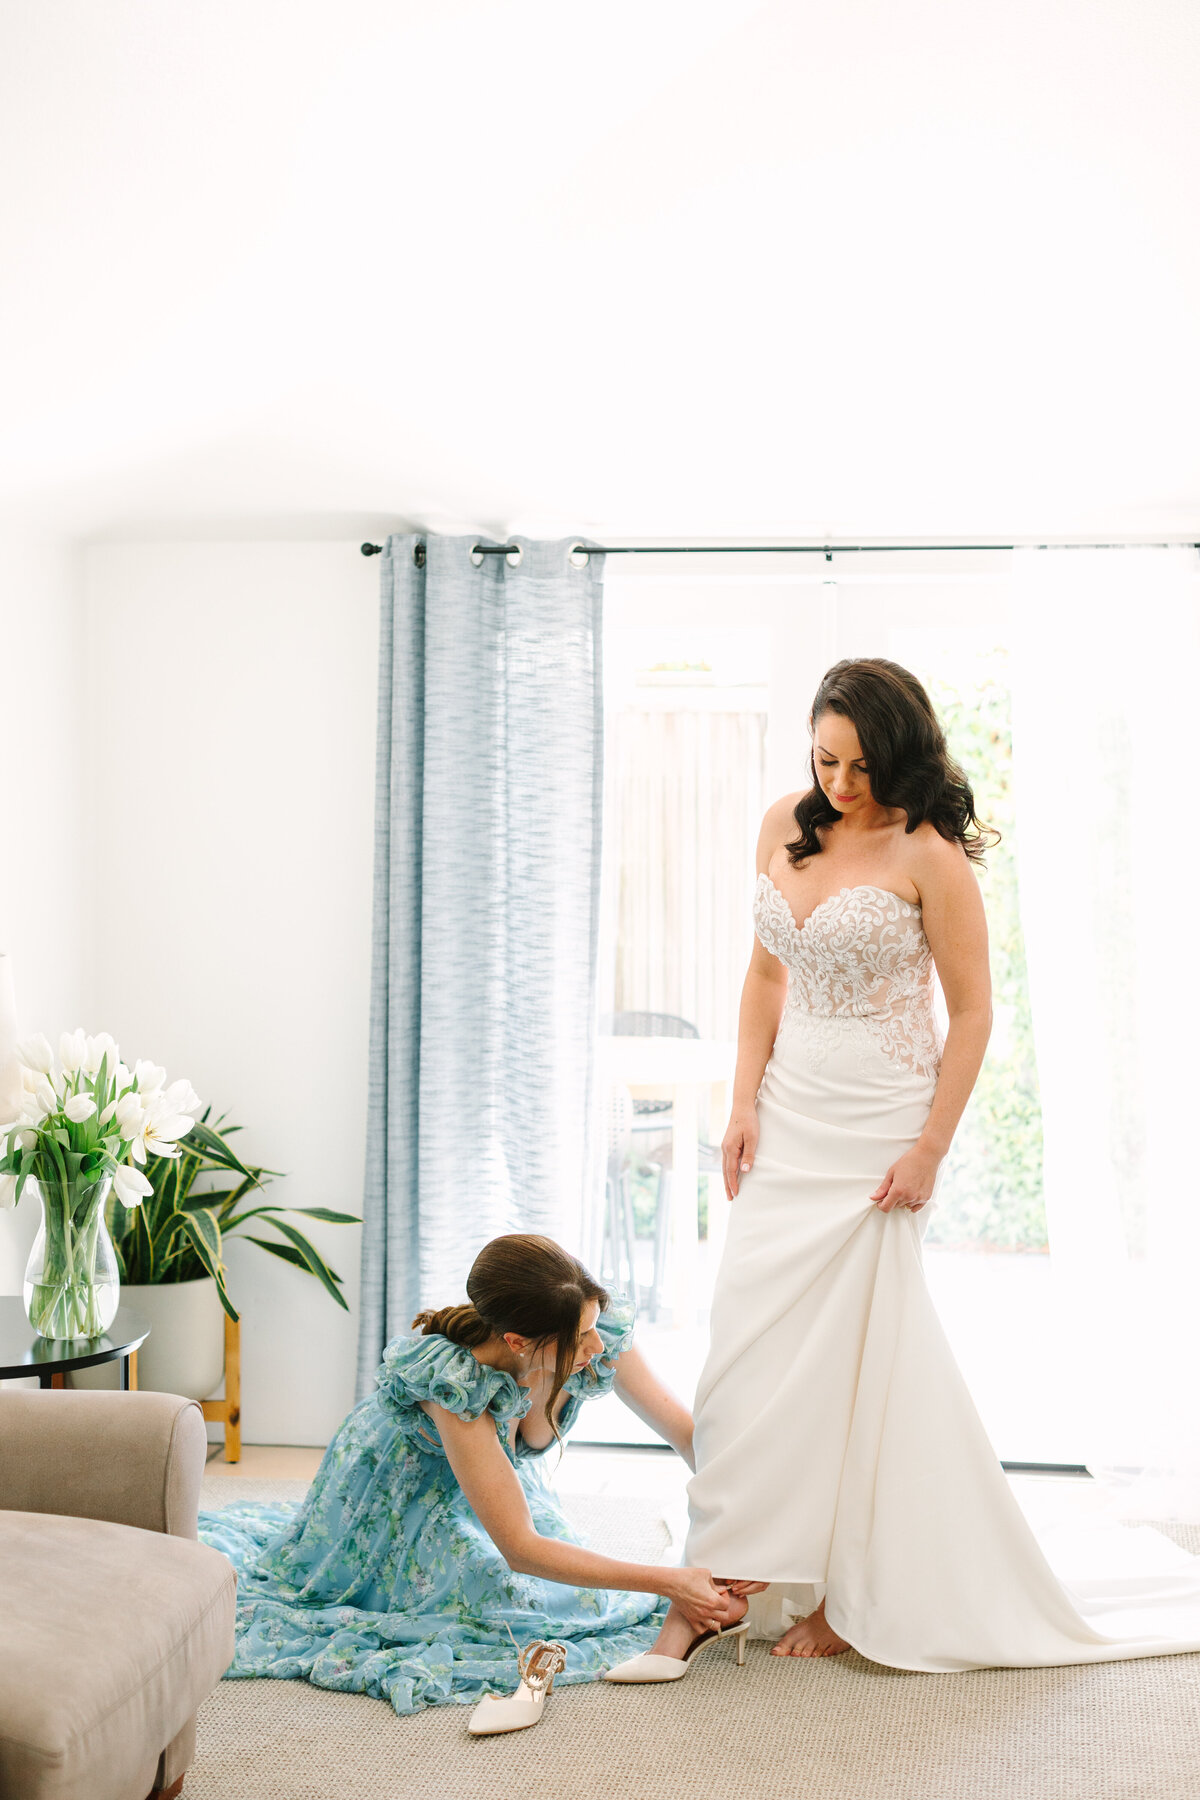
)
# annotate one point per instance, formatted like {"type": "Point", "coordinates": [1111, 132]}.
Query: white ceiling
{"type": "Point", "coordinates": [919, 268]}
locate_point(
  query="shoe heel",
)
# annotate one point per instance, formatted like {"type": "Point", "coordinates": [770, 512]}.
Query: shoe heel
{"type": "Point", "coordinates": [741, 1649]}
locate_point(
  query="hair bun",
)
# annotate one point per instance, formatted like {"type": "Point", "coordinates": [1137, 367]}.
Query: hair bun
{"type": "Point", "coordinates": [461, 1324]}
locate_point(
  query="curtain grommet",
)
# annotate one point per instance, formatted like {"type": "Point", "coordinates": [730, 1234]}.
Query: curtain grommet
{"type": "Point", "coordinates": [515, 557]}
{"type": "Point", "coordinates": [477, 556]}
{"type": "Point", "coordinates": [578, 557]}
{"type": "Point", "coordinates": [419, 555]}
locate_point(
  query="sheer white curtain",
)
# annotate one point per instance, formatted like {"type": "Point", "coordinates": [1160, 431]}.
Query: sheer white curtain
{"type": "Point", "coordinates": [1106, 672]}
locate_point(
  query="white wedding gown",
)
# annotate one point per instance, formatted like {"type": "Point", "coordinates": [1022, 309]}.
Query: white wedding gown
{"type": "Point", "coordinates": [837, 1445]}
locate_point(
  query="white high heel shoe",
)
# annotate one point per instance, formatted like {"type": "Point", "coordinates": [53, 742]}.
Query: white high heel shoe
{"type": "Point", "coordinates": [649, 1667]}
{"type": "Point", "coordinates": [539, 1663]}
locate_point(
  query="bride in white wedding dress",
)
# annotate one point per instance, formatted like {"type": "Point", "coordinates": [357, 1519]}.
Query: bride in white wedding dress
{"type": "Point", "coordinates": [838, 1451]}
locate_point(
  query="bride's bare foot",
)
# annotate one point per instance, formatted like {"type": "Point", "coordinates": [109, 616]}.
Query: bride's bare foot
{"type": "Point", "coordinates": [678, 1631]}
{"type": "Point", "coordinates": [813, 1636]}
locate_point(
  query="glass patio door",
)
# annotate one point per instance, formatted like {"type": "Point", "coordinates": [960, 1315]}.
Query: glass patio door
{"type": "Point", "coordinates": [707, 693]}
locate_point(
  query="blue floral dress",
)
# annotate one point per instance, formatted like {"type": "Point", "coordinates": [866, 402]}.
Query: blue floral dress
{"type": "Point", "coordinates": [382, 1581]}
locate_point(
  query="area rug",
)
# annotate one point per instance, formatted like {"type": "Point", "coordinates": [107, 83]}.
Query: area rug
{"type": "Point", "coordinates": [839, 1728]}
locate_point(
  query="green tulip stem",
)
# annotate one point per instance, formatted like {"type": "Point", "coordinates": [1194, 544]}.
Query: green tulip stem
{"type": "Point", "coordinates": [65, 1301]}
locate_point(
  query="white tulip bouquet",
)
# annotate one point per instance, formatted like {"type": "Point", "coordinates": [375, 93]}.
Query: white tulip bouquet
{"type": "Point", "coordinates": [86, 1124]}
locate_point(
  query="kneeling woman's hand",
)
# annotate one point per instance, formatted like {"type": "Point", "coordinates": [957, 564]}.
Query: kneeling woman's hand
{"type": "Point", "coordinates": [697, 1595]}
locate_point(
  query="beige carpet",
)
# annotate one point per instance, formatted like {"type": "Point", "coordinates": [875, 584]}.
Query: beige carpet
{"type": "Point", "coordinates": [836, 1729]}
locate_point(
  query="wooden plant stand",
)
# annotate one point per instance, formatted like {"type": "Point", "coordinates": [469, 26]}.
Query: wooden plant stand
{"type": "Point", "coordinates": [228, 1412]}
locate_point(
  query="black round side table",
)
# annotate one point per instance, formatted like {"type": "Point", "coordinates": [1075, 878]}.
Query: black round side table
{"type": "Point", "coordinates": [23, 1352]}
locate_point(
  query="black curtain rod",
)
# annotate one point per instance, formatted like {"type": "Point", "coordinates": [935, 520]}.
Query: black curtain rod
{"type": "Point", "coordinates": [787, 549]}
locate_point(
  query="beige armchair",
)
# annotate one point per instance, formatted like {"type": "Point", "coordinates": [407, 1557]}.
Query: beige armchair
{"type": "Point", "coordinates": [114, 1622]}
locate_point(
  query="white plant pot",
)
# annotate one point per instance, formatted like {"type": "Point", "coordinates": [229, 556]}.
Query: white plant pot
{"type": "Point", "coordinates": [185, 1351]}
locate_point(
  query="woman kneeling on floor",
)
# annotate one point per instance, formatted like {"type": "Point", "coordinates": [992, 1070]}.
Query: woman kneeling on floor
{"type": "Point", "coordinates": [430, 1543]}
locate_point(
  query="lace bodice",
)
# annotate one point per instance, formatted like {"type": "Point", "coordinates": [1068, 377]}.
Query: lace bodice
{"type": "Point", "coordinates": [861, 955]}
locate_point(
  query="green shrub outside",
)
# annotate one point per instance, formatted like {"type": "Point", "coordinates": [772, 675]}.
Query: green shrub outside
{"type": "Point", "coordinates": [991, 1195]}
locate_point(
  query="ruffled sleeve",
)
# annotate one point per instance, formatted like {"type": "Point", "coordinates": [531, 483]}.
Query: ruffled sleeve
{"type": "Point", "coordinates": [615, 1326]}
{"type": "Point", "coordinates": [434, 1368]}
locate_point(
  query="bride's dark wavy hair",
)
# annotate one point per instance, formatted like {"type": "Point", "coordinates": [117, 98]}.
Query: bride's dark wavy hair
{"type": "Point", "coordinates": [904, 746]}
{"type": "Point", "coordinates": [525, 1283]}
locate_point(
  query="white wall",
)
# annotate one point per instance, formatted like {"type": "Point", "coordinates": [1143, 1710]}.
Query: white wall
{"type": "Point", "coordinates": [42, 875]}
{"type": "Point", "coordinates": [230, 794]}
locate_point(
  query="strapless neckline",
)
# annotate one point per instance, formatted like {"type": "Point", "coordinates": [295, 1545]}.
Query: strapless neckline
{"type": "Point", "coordinates": [867, 887]}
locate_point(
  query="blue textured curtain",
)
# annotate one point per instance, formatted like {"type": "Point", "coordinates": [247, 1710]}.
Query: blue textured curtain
{"type": "Point", "coordinates": [489, 785]}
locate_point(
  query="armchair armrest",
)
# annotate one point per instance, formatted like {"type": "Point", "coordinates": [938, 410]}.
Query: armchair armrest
{"type": "Point", "coordinates": [133, 1459]}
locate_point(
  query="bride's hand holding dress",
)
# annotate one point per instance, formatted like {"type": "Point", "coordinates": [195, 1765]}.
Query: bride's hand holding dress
{"type": "Point", "coordinates": [909, 1182]}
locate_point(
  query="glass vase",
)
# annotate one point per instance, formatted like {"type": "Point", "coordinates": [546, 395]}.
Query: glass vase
{"type": "Point", "coordinates": [72, 1284]}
